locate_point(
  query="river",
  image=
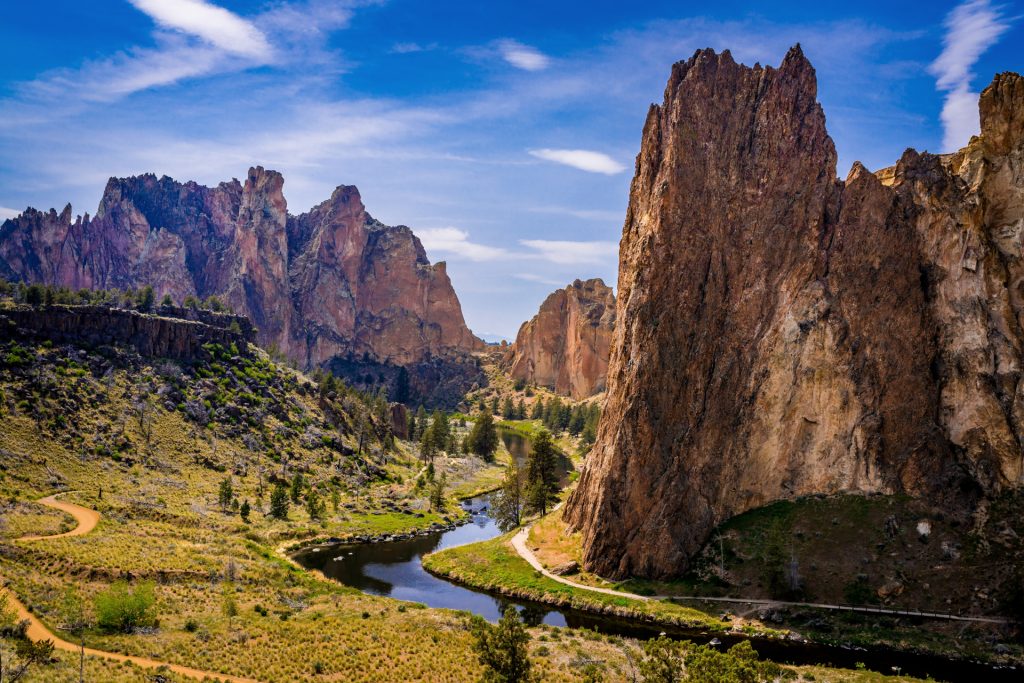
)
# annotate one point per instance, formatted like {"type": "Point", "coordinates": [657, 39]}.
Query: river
{"type": "Point", "coordinates": [394, 569]}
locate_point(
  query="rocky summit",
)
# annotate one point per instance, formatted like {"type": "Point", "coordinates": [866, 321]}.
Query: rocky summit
{"type": "Point", "coordinates": [781, 332]}
{"type": "Point", "coordinates": [565, 346]}
{"type": "Point", "coordinates": [329, 285]}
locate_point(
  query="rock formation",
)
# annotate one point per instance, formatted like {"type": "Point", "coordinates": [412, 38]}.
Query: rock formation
{"type": "Point", "coordinates": [565, 346]}
{"type": "Point", "coordinates": [781, 332]}
{"type": "Point", "coordinates": [329, 283]}
{"type": "Point", "coordinates": [159, 335]}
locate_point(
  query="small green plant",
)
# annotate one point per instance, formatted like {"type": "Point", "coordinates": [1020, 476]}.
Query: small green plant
{"type": "Point", "coordinates": [122, 608]}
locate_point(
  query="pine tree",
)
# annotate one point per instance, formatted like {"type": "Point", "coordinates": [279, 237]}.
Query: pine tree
{"type": "Point", "coordinates": [577, 420]}
{"type": "Point", "coordinates": [538, 409]}
{"type": "Point", "coordinates": [503, 649]}
{"type": "Point", "coordinates": [508, 502]}
{"type": "Point", "coordinates": [483, 439]}
{"type": "Point", "coordinates": [437, 491]}
{"type": "Point", "coordinates": [428, 447]}
{"type": "Point", "coordinates": [245, 510]}
{"type": "Point", "coordinates": [412, 426]}
{"type": "Point", "coordinates": [421, 421]}
{"type": "Point", "coordinates": [440, 430]}
{"type": "Point", "coordinates": [146, 299]}
{"type": "Point", "coordinates": [521, 410]}
{"type": "Point", "coordinates": [224, 494]}
{"type": "Point", "coordinates": [297, 485]}
{"type": "Point", "coordinates": [508, 410]}
{"type": "Point", "coordinates": [541, 473]}
{"type": "Point", "coordinates": [314, 506]}
{"type": "Point", "coordinates": [279, 502]}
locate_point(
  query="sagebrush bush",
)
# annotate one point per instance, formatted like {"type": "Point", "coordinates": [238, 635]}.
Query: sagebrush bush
{"type": "Point", "coordinates": [122, 608]}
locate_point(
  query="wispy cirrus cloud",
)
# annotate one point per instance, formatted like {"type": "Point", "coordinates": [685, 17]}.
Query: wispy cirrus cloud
{"type": "Point", "coordinates": [192, 39]}
{"type": "Point", "coordinates": [539, 279]}
{"type": "Point", "coordinates": [454, 241]}
{"type": "Point", "coordinates": [210, 23]}
{"type": "Point", "coordinates": [582, 214]}
{"type": "Point", "coordinates": [971, 29]}
{"type": "Point", "coordinates": [582, 159]}
{"type": "Point", "coordinates": [567, 252]}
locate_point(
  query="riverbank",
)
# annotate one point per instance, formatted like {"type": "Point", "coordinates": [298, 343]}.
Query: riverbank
{"type": "Point", "coordinates": [495, 566]}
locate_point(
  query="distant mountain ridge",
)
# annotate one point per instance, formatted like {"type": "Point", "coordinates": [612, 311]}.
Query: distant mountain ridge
{"type": "Point", "coordinates": [332, 283]}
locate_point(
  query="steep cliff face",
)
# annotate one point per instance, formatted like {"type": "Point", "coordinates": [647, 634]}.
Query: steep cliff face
{"type": "Point", "coordinates": [160, 335]}
{"type": "Point", "coordinates": [565, 347]}
{"type": "Point", "coordinates": [331, 282]}
{"type": "Point", "coordinates": [782, 333]}
{"type": "Point", "coordinates": [364, 287]}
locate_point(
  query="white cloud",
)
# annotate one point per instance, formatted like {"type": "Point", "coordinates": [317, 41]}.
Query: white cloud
{"type": "Point", "coordinates": [6, 213]}
{"type": "Point", "coordinates": [583, 159]}
{"type": "Point", "coordinates": [125, 73]}
{"type": "Point", "coordinates": [523, 56]}
{"type": "Point", "coordinates": [568, 252]}
{"type": "Point", "coordinates": [407, 48]}
{"type": "Point", "coordinates": [971, 28]}
{"type": "Point", "coordinates": [533, 277]}
{"type": "Point", "coordinates": [215, 25]}
{"type": "Point", "coordinates": [455, 241]}
{"type": "Point", "coordinates": [582, 214]}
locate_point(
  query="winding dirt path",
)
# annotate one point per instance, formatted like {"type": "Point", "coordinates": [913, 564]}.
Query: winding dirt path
{"type": "Point", "coordinates": [87, 520]}
{"type": "Point", "coordinates": [520, 543]}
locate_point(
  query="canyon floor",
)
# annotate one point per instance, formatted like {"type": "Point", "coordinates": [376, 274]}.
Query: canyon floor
{"type": "Point", "coordinates": [142, 501]}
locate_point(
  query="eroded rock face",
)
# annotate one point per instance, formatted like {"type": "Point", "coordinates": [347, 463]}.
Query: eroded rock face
{"type": "Point", "coordinates": [158, 335]}
{"type": "Point", "coordinates": [783, 333]}
{"type": "Point", "coordinates": [331, 282]}
{"type": "Point", "coordinates": [565, 347]}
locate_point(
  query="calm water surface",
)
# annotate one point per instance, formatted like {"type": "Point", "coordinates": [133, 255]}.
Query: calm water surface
{"type": "Point", "coordinates": [394, 570]}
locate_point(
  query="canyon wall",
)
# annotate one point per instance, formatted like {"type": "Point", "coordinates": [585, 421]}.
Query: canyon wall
{"type": "Point", "coordinates": [565, 347]}
{"type": "Point", "coordinates": [329, 283]}
{"type": "Point", "coordinates": [151, 335]}
{"type": "Point", "coordinates": [780, 332]}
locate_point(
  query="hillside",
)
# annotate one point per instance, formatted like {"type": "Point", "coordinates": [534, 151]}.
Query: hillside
{"type": "Point", "coordinates": [182, 459]}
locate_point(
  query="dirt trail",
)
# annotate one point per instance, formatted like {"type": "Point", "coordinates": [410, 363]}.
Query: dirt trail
{"type": "Point", "coordinates": [87, 520]}
{"type": "Point", "coordinates": [520, 543]}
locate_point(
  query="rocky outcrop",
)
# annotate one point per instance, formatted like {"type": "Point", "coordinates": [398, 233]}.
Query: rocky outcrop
{"type": "Point", "coordinates": [331, 282]}
{"type": "Point", "coordinates": [781, 332]}
{"type": "Point", "coordinates": [151, 335]}
{"type": "Point", "coordinates": [361, 287]}
{"type": "Point", "coordinates": [565, 347]}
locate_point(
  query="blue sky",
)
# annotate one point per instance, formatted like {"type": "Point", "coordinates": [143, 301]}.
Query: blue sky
{"type": "Point", "coordinates": [503, 133]}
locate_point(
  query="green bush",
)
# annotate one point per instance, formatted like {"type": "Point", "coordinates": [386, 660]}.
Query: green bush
{"type": "Point", "coordinates": [123, 609]}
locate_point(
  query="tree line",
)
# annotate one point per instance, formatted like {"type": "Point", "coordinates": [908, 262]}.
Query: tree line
{"type": "Point", "coordinates": [142, 299]}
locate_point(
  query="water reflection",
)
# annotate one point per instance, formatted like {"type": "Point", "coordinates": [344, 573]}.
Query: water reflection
{"type": "Point", "coordinates": [394, 569]}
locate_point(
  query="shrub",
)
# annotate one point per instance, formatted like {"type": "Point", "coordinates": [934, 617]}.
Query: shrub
{"type": "Point", "coordinates": [123, 609]}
